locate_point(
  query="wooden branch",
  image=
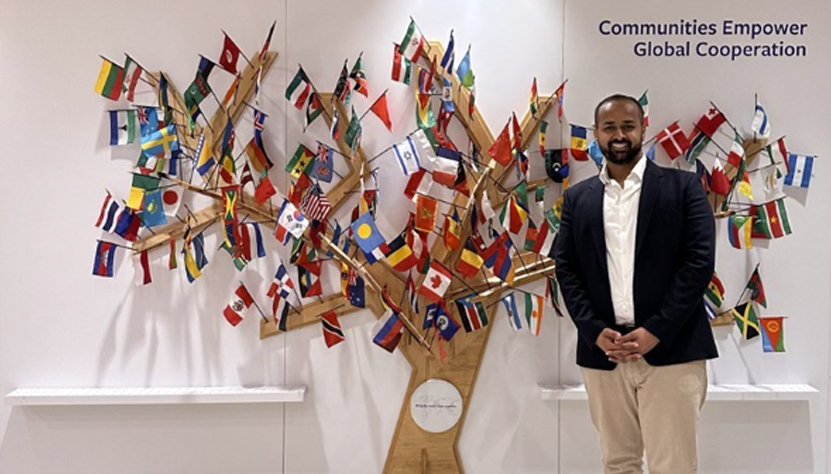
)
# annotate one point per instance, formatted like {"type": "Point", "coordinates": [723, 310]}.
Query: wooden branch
{"type": "Point", "coordinates": [204, 218]}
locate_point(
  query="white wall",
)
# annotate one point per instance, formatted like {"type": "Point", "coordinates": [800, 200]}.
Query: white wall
{"type": "Point", "coordinates": [59, 326]}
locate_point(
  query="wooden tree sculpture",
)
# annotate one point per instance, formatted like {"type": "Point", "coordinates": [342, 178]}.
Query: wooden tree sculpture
{"type": "Point", "coordinates": [413, 450]}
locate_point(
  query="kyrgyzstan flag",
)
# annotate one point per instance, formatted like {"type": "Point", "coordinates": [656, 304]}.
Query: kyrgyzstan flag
{"type": "Point", "coordinates": [673, 140]}
{"type": "Point", "coordinates": [238, 305]}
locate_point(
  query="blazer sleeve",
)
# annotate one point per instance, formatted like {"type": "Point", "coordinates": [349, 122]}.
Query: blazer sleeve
{"type": "Point", "coordinates": [698, 253]}
{"type": "Point", "coordinates": [572, 281]}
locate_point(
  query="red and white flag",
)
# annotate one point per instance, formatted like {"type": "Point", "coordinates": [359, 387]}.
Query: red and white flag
{"type": "Point", "coordinates": [436, 282]}
{"type": "Point", "coordinates": [238, 305]}
{"type": "Point", "coordinates": [673, 140]}
{"type": "Point", "coordinates": [230, 55]}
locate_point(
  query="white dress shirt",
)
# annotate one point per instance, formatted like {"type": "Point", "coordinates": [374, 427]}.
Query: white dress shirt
{"type": "Point", "coordinates": [620, 223]}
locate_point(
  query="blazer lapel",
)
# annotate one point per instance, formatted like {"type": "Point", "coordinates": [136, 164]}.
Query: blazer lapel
{"type": "Point", "coordinates": [650, 190]}
{"type": "Point", "coordinates": [595, 212]}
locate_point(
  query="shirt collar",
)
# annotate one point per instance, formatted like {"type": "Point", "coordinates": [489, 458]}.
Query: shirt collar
{"type": "Point", "coordinates": [635, 174]}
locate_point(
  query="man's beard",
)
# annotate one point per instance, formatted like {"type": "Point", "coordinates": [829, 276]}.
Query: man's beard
{"type": "Point", "coordinates": [633, 152]}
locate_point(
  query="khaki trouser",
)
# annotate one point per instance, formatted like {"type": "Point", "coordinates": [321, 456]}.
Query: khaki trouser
{"type": "Point", "coordinates": [638, 407]}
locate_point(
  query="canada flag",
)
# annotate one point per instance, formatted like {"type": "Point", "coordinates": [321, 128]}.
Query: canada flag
{"type": "Point", "coordinates": [436, 282]}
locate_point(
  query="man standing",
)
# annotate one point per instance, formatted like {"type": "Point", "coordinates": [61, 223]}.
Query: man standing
{"type": "Point", "coordinates": [634, 253]}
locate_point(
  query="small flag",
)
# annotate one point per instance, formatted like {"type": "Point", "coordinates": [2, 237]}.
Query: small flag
{"type": "Point", "coordinates": [770, 220]}
{"type": "Point", "coordinates": [740, 228]}
{"type": "Point", "coordinates": [110, 82]}
{"type": "Point", "coordinates": [449, 54]}
{"type": "Point", "coordinates": [342, 87]}
{"type": "Point", "coordinates": [445, 166]}
{"type": "Point", "coordinates": [500, 150]}
{"type": "Point", "coordinates": [534, 99]}
{"type": "Point", "coordinates": [436, 282]}
{"type": "Point", "coordinates": [104, 259]}
{"type": "Point", "coordinates": [289, 222]}
{"type": "Point", "coordinates": [238, 305]}
{"type": "Point", "coordinates": [746, 320]}
{"type": "Point", "coordinates": [264, 190]}
{"type": "Point", "coordinates": [359, 76]}
{"type": "Point", "coordinates": [300, 162]}
{"type": "Point", "coordinates": [736, 155]}
{"type": "Point", "coordinates": [315, 205]}
{"type": "Point", "coordinates": [401, 67]}
{"type": "Point", "coordinates": [715, 291]}
{"type": "Point", "coordinates": [257, 157]}
{"type": "Point", "coordinates": [204, 157]}
{"type": "Point", "coordinates": [719, 183]}
{"type": "Point", "coordinates": [513, 315]}
{"type": "Point", "coordinates": [426, 211]}
{"type": "Point", "coordinates": [323, 164]}
{"type": "Point", "coordinates": [673, 140]}
{"type": "Point", "coordinates": [308, 277]}
{"type": "Point", "coordinates": [162, 142]}
{"type": "Point", "coordinates": [379, 108]}
{"type": "Point", "coordinates": [644, 102]}
{"type": "Point", "coordinates": [352, 137]}
{"type": "Point", "coordinates": [389, 335]}
{"type": "Point", "coordinates": [267, 43]}
{"type": "Point", "coordinates": [761, 124]}
{"type": "Point", "coordinates": [497, 259]}
{"type": "Point", "coordinates": [473, 314]}
{"type": "Point", "coordinates": [152, 209]}
{"type": "Point", "coordinates": [407, 156]}
{"type": "Point", "coordinates": [299, 88]}
{"type": "Point", "coordinates": [469, 263]}
{"type": "Point", "coordinates": [413, 43]}
{"type": "Point", "coordinates": [230, 55]}
{"type": "Point", "coordinates": [122, 127]}
{"type": "Point", "coordinates": [399, 255]}
{"type": "Point", "coordinates": [578, 143]}
{"type": "Point", "coordinates": [710, 122]}
{"type": "Point", "coordinates": [772, 338]}
{"type": "Point", "coordinates": [366, 233]}
{"type": "Point", "coordinates": [452, 231]}
{"type": "Point", "coordinates": [465, 73]}
{"type": "Point", "coordinates": [332, 332]}
{"type": "Point", "coordinates": [132, 74]}
{"type": "Point", "coordinates": [533, 312]}
{"type": "Point", "coordinates": [799, 170]}
{"type": "Point", "coordinates": [756, 288]}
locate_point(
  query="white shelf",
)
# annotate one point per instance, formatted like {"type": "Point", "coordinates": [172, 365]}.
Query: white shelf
{"type": "Point", "coordinates": [726, 392]}
{"type": "Point", "coordinates": [154, 396]}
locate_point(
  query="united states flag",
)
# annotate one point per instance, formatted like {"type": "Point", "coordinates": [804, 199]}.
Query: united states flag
{"type": "Point", "coordinates": [315, 205]}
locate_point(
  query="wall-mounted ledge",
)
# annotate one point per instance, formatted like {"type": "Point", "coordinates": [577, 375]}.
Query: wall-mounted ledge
{"type": "Point", "coordinates": [154, 395]}
{"type": "Point", "coordinates": [725, 392]}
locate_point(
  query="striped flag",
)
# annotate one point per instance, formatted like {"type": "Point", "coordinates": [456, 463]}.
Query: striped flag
{"type": "Point", "coordinates": [513, 315]}
{"type": "Point", "coordinates": [413, 43]}
{"type": "Point", "coordinates": [238, 306]}
{"type": "Point", "coordinates": [315, 204]}
{"type": "Point", "coordinates": [739, 231]}
{"type": "Point", "coordinates": [110, 80]}
{"type": "Point", "coordinates": [122, 127]}
{"type": "Point", "coordinates": [799, 170]}
{"type": "Point", "coordinates": [389, 334]}
{"type": "Point", "coordinates": [402, 68]}
{"type": "Point", "coordinates": [473, 314]}
{"type": "Point", "coordinates": [332, 332]}
{"type": "Point", "coordinates": [761, 124]}
{"type": "Point", "coordinates": [299, 88]}
{"type": "Point", "coordinates": [533, 312]}
{"type": "Point", "coordinates": [644, 101]}
{"type": "Point", "coordinates": [104, 259]}
{"type": "Point", "coordinates": [770, 220]}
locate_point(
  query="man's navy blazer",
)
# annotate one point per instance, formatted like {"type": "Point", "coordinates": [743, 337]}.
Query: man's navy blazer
{"type": "Point", "coordinates": [674, 261]}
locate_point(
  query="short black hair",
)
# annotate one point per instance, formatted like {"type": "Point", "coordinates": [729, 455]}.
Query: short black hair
{"type": "Point", "coordinates": [616, 98]}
